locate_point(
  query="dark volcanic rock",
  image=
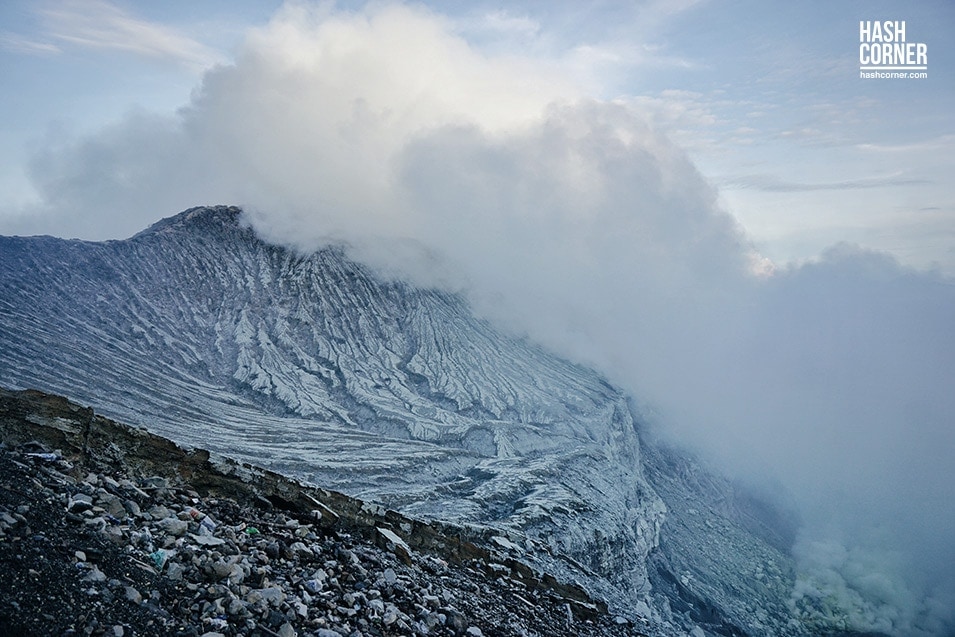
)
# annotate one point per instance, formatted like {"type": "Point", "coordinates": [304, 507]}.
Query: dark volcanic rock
{"type": "Point", "coordinates": [205, 546]}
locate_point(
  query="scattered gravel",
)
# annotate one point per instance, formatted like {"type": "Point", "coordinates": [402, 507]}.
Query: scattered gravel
{"type": "Point", "coordinates": [102, 553]}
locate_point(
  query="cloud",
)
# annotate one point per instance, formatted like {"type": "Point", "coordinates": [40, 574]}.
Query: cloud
{"type": "Point", "coordinates": [773, 183]}
{"type": "Point", "coordinates": [340, 100]}
{"type": "Point", "coordinates": [21, 44]}
{"type": "Point", "coordinates": [98, 24]}
{"type": "Point", "coordinates": [504, 22]}
{"type": "Point", "coordinates": [575, 222]}
{"type": "Point", "coordinates": [942, 143]}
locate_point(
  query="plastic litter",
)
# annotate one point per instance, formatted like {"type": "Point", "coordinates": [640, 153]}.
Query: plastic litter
{"type": "Point", "coordinates": [48, 457]}
{"type": "Point", "coordinates": [159, 558]}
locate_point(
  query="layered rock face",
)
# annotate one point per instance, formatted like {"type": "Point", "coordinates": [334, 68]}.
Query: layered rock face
{"type": "Point", "coordinates": [314, 367]}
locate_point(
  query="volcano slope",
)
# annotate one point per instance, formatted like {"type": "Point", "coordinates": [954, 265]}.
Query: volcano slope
{"type": "Point", "coordinates": [315, 367]}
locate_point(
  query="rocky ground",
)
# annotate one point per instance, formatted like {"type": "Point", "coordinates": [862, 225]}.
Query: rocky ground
{"type": "Point", "coordinates": [93, 548]}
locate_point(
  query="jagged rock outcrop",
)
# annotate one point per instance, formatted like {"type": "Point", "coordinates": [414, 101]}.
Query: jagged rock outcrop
{"type": "Point", "coordinates": [316, 368]}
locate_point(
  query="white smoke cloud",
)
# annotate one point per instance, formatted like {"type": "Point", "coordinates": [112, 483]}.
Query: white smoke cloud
{"type": "Point", "coordinates": [574, 222]}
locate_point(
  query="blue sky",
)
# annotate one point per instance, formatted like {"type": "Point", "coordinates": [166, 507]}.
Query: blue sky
{"type": "Point", "coordinates": [766, 98]}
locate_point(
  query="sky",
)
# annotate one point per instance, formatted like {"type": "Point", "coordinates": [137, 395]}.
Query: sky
{"type": "Point", "coordinates": [765, 97]}
{"type": "Point", "coordinates": [702, 199]}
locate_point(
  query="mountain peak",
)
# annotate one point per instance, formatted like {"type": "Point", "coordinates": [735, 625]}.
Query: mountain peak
{"type": "Point", "coordinates": [391, 393]}
{"type": "Point", "coordinates": [198, 218]}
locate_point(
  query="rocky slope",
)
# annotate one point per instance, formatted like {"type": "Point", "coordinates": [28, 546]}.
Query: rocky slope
{"type": "Point", "coordinates": [110, 530]}
{"type": "Point", "coordinates": [314, 367]}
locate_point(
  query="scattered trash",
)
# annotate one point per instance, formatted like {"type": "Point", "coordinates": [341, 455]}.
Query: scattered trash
{"type": "Point", "coordinates": [208, 525]}
{"type": "Point", "coordinates": [199, 564]}
{"type": "Point", "coordinates": [159, 558]}
{"type": "Point", "coordinates": [48, 457]}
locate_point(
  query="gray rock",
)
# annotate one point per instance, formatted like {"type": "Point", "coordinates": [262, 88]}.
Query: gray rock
{"type": "Point", "coordinates": [274, 596]}
{"type": "Point", "coordinates": [457, 621]}
{"type": "Point", "coordinates": [286, 630]}
{"type": "Point", "coordinates": [132, 508]}
{"type": "Point", "coordinates": [173, 526]}
{"type": "Point", "coordinates": [156, 482]}
{"type": "Point", "coordinates": [299, 549]}
{"type": "Point", "coordinates": [219, 569]}
{"type": "Point", "coordinates": [159, 512]}
{"type": "Point", "coordinates": [133, 595]}
{"type": "Point", "coordinates": [175, 571]}
{"type": "Point", "coordinates": [115, 535]}
{"type": "Point", "coordinates": [390, 616]}
{"type": "Point", "coordinates": [389, 540]}
{"type": "Point", "coordinates": [80, 502]}
{"type": "Point", "coordinates": [207, 540]}
{"type": "Point", "coordinates": [237, 574]}
{"type": "Point", "coordinates": [432, 620]}
{"type": "Point", "coordinates": [236, 606]}
{"type": "Point", "coordinates": [113, 505]}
